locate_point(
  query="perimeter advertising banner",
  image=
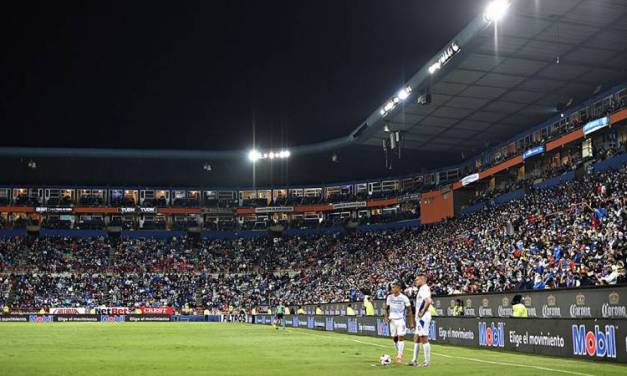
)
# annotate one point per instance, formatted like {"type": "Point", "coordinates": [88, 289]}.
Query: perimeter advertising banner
{"type": "Point", "coordinates": [48, 318]}
{"type": "Point", "coordinates": [600, 303]}
{"type": "Point", "coordinates": [578, 338]}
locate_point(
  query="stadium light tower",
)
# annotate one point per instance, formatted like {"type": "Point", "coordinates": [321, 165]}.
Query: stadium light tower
{"type": "Point", "coordinates": [495, 11]}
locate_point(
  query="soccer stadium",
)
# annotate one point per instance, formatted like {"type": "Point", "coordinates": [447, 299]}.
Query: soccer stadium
{"type": "Point", "coordinates": [314, 188]}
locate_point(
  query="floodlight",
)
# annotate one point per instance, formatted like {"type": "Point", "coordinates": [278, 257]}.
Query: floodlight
{"type": "Point", "coordinates": [496, 10]}
{"type": "Point", "coordinates": [271, 155]}
{"type": "Point", "coordinates": [286, 154]}
{"type": "Point", "coordinates": [254, 155]}
{"type": "Point", "coordinates": [404, 93]}
{"type": "Point", "coordinates": [434, 67]}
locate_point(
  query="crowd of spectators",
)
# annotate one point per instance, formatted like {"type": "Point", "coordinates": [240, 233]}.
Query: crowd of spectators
{"type": "Point", "coordinates": [569, 235]}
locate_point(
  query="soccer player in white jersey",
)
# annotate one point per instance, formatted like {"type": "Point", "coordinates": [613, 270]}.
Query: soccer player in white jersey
{"type": "Point", "coordinates": [395, 307]}
{"type": "Point", "coordinates": [423, 322]}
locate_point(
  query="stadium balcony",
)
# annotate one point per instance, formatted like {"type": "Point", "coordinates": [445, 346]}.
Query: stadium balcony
{"type": "Point", "coordinates": [154, 202]}
{"type": "Point", "coordinates": [153, 225]}
{"type": "Point", "coordinates": [123, 202]}
{"type": "Point", "coordinates": [185, 203]}
{"type": "Point", "coordinates": [184, 225]}
{"type": "Point", "coordinates": [90, 201]}
{"type": "Point", "coordinates": [254, 202]}
{"type": "Point", "coordinates": [91, 224]}
{"type": "Point", "coordinates": [56, 224]}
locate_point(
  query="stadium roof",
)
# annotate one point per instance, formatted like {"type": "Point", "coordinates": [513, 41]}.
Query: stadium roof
{"type": "Point", "coordinates": [542, 54]}
{"type": "Point", "coordinates": [497, 84]}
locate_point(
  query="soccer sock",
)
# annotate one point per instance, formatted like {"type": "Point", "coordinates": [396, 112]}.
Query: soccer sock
{"type": "Point", "coordinates": [416, 352]}
{"type": "Point", "coordinates": [401, 347]}
{"type": "Point", "coordinates": [427, 348]}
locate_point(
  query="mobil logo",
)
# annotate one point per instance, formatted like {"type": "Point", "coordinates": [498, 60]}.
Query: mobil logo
{"type": "Point", "coordinates": [600, 343]}
{"type": "Point", "coordinates": [432, 331]}
{"type": "Point", "coordinates": [492, 335]}
{"type": "Point", "coordinates": [112, 318]}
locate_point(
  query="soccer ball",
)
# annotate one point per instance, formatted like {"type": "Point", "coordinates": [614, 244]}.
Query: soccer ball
{"type": "Point", "coordinates": [385, 360]}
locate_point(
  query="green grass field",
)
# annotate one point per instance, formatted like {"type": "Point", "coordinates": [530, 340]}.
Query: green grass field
{"type": "Point", "coordinates": [238, 349]}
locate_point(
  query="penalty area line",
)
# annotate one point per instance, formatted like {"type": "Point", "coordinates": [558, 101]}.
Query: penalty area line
{"type": "Point", "coordinates": [457, 357]}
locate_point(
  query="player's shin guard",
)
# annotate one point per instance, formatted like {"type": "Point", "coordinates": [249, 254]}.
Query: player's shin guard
{"type": "Point", "coordinates": [416, 352]}
{"type": "Point", "coordinates": [427, 348]}
{"type": "Point", "coordinates": [400, 348]}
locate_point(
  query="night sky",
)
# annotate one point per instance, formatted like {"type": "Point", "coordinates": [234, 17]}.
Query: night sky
{"type": "Point", "coordinates": [198, 75]}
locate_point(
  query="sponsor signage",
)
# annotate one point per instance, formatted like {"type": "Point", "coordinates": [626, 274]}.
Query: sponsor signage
{"type": "Point", "coordinates": [41, 318]}
{"type": "Point", "coordinates": [43, 209]}
{"type": "Point", "coordinates": [533, 151]}
{"type": "Point", "coordinates": [352, 325]}
{"type": "Point", "coordinates": [492, 334]}
{"type": "Point", "coordinates": [600, 342]}
{"type": "Point", "coordinates": [141, 210]}
{"type": "Point", "coordinates": [275, 209]}
{"type": "Point", "coordinates": [148, 318]}
{"type": "Point", "coordinates": [568, 337]}
{"type": "Point", "coordinates": [600, 302]}
{"type": "Point", "coordinates": [80, 318]}
{"type": "Point", "coordinates": [113, 311]}
{"type": "Point", "coordinates": [328, 324]}
{"type": "Point", "coordinates": [112, 318]}
{"type": "Point", "coordinates": [350, 205]}
{"type": "Point", "coordinates": [68, 311]}
{"type": "Point", "coordinates": [77, 318]}
{"type": "Point", "coordinates": [409, 197]}
{"type": "Point", "coordinates": [469, 179]}
{"type": "Point", "coordinates": [595, 125]}
{"type": "Point", "coordinates": [217, 211]}
{"type": "Point", "coordinates": [157, 310]}
{"type": "Point", "coordinates": [446, 55]}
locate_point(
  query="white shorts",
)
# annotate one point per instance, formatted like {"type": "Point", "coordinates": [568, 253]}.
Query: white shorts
{"type": "Point", "coordinates": [422, 324]}
{"type": "Point", "coordinates": [397, 327]}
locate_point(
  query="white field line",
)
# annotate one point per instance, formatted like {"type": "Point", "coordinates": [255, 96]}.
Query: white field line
{"type": "Point", "coordinates": [460, 357]}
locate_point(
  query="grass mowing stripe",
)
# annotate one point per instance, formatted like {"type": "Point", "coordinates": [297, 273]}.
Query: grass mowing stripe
{"type": "Point", "coordinates": [461, 357]}
{"type": "Point", "coordinates": [512, 364]}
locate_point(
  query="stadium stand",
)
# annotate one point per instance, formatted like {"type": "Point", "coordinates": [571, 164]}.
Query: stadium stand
{"type": "Point", "coordinates": [568, 234]}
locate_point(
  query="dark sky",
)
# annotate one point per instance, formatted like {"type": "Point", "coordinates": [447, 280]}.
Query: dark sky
{"type": "Point", "coordinates": [195, 75]}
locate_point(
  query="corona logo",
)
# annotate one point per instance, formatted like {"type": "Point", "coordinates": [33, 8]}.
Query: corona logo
{"type": "Point", "coordinates": [614, 297]}
{"type": "Point", "coordinates": [452, 303]}
{"type": "Point", "coordinates": [505, 301]}
{"type": "Point", "coordinates": [437, 303]}
{"type": "Point", "coordinates": [527, 300]}
{"type": "Point", "coordinates": [469, 303]}
{"type": "Point", "coordinates": [550, 309]}
{"type": "Point", "coordinates": [580, 299]}
{"type": "Point", "coordinates": [485, 302]}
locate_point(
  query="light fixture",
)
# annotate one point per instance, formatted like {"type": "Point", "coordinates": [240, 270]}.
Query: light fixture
{"type": "Point", "coordinates": [404, 93]}
{"type": "Point", "coordinates": [254, 155]}
{"type": "Point", "coordinates": [495, 11]}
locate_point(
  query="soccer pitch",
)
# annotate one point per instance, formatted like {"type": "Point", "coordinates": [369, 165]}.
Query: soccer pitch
{"type": "Point", "coordinates": [239, 349]}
